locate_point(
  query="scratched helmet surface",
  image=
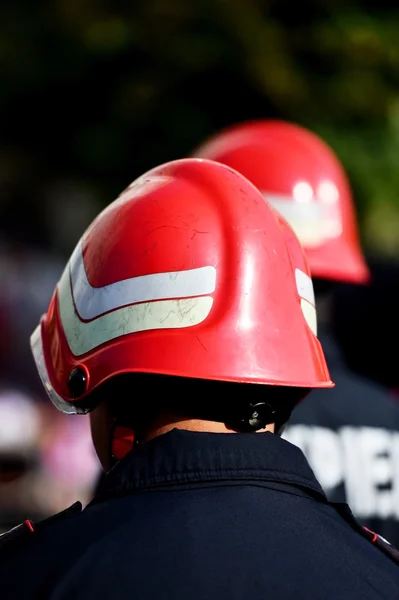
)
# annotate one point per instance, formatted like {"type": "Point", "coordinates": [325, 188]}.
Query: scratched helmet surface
{"type": "Point", "coordinates": [188, 273]}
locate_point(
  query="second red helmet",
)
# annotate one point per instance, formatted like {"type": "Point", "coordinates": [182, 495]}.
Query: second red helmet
{"type": "Point", "coordinates": [301, 177]}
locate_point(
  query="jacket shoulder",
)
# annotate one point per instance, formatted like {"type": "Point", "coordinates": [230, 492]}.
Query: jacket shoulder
{"type": "Point", "coordinates": [377, 540]}
{"type": "Point", "coordinates": [383, 544]}
{"type": "Point", "coordinates": [20, 534]}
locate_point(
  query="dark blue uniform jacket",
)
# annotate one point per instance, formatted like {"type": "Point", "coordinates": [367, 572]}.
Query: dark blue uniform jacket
{"type": "Point", "coordinates": [202, 516]}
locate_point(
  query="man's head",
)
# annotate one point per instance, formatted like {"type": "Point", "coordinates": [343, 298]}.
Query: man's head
{"type": "Point", "coordinates": [303, 179]}
{"type": "Point", "coordinates": [188, 298]}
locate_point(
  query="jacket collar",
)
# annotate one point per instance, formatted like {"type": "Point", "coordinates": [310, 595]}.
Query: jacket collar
{"type": "Point", "coordinates": [182, 457]}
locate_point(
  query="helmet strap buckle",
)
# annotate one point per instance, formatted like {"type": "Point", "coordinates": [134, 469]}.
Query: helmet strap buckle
{"type": "Point", "coordinates": [255, 417]}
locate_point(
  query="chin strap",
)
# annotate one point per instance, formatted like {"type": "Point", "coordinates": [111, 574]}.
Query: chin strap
{"type": "Point", "coordinates": [122, 442]}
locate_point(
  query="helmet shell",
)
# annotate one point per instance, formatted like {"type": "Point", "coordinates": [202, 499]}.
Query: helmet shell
{"type": "Point", "coordinates": [188, 273]}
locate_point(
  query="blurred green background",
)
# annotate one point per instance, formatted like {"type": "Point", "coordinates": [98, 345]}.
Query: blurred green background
{"type": "Point", "coordinates": [93, 93]}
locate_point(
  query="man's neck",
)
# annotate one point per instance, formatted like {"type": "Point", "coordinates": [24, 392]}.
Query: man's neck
{"type": "Point", "coordinates": [167, 424]}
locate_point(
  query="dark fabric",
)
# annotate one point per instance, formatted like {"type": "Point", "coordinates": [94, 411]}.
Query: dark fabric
{"type": "Point", "coordinates": [350, 435]}
{"type": "Point", "coordinates": [202, 516]}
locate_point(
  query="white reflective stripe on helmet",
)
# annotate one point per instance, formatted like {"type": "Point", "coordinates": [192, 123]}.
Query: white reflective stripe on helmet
{"type": "Point", "coordinates": [313, 222]}
{"type": "Point", "coordinates": [304, 286]}
{"type": "Point", "coordinates": [84, 336]}
{"type": "Point", "coordinates": [92, 302]}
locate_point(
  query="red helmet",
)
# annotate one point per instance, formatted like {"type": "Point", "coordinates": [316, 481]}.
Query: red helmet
{"type": "Point", "coordinates": [187, 273]}
{"type": "Point", "coordinates": [302, 178]}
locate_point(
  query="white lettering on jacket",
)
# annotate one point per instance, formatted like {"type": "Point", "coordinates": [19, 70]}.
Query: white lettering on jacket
{"type": "Point", "coordinates": [364, 459]}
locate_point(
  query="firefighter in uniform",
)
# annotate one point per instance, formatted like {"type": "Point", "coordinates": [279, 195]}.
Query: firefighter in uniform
{"type": "Point", "coordinates": [349, 434]}
{"type": "Point", "coordinates": [185, 324]}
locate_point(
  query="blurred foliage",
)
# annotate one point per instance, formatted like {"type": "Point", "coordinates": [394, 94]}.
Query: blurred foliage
{"type": "Point", "coordinates": [97, 91]}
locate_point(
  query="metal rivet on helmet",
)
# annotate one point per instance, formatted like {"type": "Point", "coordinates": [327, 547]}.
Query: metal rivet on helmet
{"type": "Point", "coordinates": [77, 382]}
